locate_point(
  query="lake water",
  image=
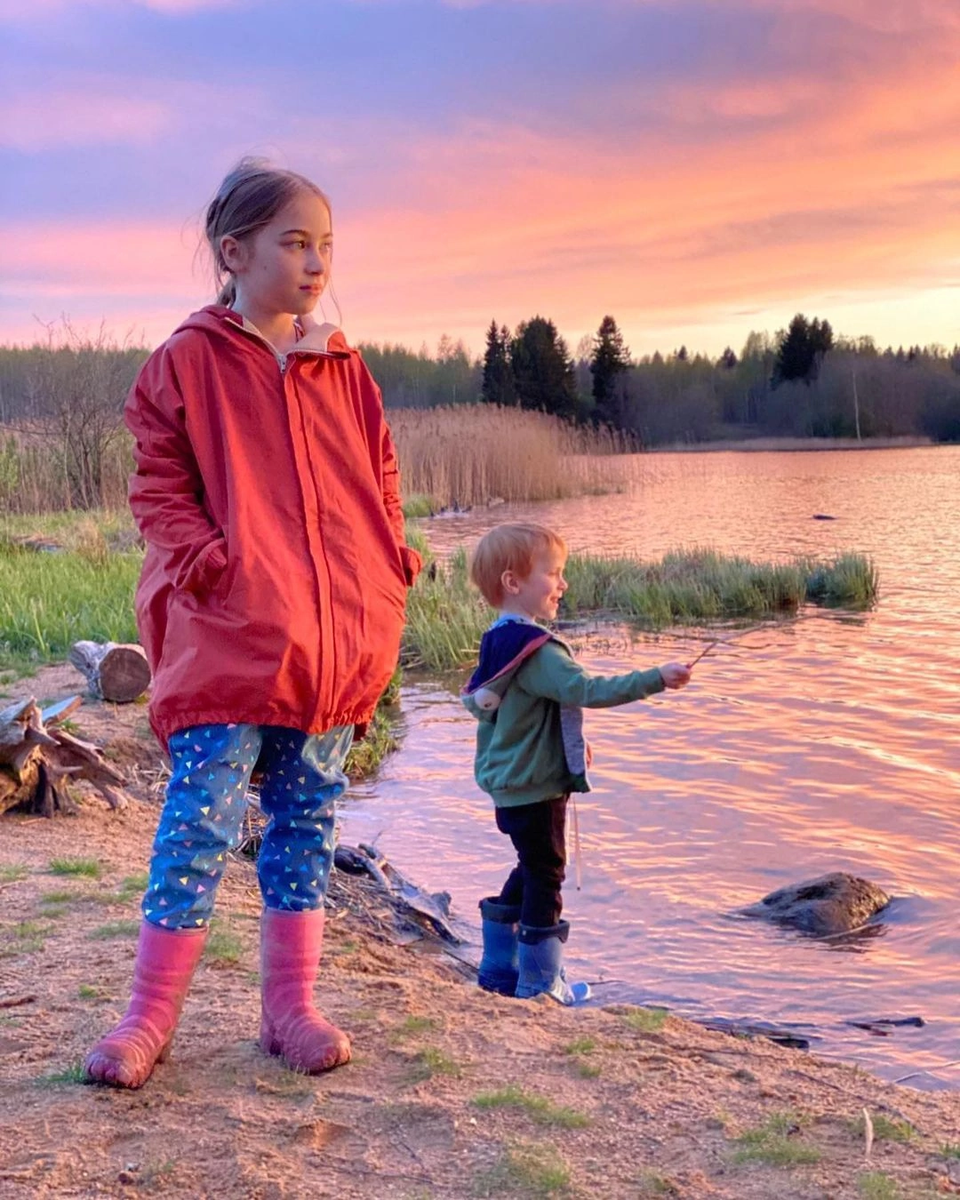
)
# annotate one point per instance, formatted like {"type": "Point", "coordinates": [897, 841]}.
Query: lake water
{"type": "Point", "coordinates": [828, 742]}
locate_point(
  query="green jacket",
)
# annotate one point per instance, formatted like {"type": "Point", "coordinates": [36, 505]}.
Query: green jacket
{"type": "Point", "coordinates": [530, 744]}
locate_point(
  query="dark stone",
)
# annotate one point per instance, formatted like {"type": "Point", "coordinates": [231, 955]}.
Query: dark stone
{"type": "Point", "coordinates": [836, 903]}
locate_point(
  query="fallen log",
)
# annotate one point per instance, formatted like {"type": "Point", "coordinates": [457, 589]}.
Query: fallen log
{"type": "Point", "coordinates": [37, 758]}
{"type": "Point", "coordinates": [117, 672]}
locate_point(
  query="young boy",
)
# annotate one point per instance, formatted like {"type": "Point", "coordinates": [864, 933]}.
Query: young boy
{"type": "Point", "coordinates": [528, 694]}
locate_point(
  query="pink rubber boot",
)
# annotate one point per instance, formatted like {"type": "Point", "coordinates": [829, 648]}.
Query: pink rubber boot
{"type": "Point", "coordinates": [166, 960]}
{"type": "Point", "coordinates": [290, 1027]}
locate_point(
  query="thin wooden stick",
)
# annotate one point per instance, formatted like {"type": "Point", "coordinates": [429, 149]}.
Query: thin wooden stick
{"type": "Point", "coordinates": [705, 651]}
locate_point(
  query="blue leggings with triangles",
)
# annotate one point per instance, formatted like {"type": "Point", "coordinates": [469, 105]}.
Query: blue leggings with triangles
{"type": "Point", "coordinates": [301, 777]}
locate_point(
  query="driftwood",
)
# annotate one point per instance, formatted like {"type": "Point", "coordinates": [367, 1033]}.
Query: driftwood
{"type": "Point", "coordinates": [37, 758]}
{"type": "Point", "coordinates": [409, 901]}
{"type": "Point", "coordinates": [114, 672]}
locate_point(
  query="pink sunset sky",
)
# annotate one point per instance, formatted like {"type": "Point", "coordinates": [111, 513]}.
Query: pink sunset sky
{"type": "Point", "coordinates": [696, 168]}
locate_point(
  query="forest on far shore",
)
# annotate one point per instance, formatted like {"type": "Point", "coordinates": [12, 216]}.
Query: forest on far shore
{"type": "Point", "coordinates": [801, 382]}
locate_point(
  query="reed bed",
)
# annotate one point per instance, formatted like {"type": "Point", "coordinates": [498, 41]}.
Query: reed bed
{"type": "Point", "coordinates": [700, 584]}
{"type": "Point", "coordinates": [446, 617]}
{"type": "Point", "coordinates": [463, 455]}
{"type": "Point", "coordinates": [474, 453]}
{"type": "Point", "coordinates": [37, 475]}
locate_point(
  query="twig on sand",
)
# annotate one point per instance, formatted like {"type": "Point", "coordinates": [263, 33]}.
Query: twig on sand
{"type": "Point", "coordinates": [16, 1001]}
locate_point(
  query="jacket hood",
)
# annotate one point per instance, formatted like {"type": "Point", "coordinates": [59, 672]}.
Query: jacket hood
{"type": "Point", "coordinates": [326, 339]}
{"type": "Point", "coordinates": [503, 649]}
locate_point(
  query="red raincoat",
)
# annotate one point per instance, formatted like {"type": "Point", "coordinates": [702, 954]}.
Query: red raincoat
{"type": "Point", "coordinates": [274, 583]}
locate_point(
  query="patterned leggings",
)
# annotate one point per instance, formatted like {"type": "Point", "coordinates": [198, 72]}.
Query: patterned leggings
{"type": "Point", "coordinates": [302, 776]}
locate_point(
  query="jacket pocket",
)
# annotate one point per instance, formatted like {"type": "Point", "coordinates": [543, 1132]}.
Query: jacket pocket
{"type": "Point", "coordinates": [204, 573]}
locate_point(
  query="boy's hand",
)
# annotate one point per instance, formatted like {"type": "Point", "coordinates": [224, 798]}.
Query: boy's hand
{"type": "Point", "coordinates": [675, 675]}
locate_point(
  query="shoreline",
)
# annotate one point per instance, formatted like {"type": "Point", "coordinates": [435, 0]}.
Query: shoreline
{"type": "Point", "coordinates": [783, 445]}
{"type": "Point", "coordinates": [452, 1092]}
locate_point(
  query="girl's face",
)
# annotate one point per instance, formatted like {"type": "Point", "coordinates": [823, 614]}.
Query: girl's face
{"type": "Point", "coordinates": [283, 267]}
{"type": "Point", "coordinates": [538, 594]}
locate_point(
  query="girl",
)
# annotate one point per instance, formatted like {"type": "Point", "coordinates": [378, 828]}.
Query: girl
{"type": "Point", "coordinates": [270, 605]}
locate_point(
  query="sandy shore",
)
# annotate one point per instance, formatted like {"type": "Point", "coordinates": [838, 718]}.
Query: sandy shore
{"type": "Point", "coordinates": [451, 1093]}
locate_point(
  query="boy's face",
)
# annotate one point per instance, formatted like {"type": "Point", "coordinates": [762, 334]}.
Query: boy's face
{"type": "Point", "coordinates": [538, 594]}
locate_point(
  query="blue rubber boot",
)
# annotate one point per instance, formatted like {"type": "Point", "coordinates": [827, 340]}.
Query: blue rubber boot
{"type": "Point", "coordinates": [540, 954]}
{"type": "Point", "coordinates": [498, 967]}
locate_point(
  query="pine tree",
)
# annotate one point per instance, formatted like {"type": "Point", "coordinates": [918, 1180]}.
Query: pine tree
{"type": "Point", "coordinates": [608, 366]}
{"type": "Point", "coordinates": [801, 350]}
{"type": "Point", "coordinates": [498, 385]}
{"type": "Point", "coordinates": [543, 370]}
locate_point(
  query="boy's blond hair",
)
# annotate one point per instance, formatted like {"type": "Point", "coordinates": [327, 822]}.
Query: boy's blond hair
{"type": "Point", "coordinates": [513, 548]}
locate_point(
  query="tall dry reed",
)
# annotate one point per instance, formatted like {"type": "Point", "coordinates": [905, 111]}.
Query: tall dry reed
{"type": "Point", "coordinates": [35, 476]}
{"type": "Point", "coordinates": [473, 453]}
{"type": "Point", "coordinates": [465, 455]}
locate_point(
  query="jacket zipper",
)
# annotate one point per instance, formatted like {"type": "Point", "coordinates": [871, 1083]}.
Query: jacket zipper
{"type": "Point", "coordinates": [282, 361]}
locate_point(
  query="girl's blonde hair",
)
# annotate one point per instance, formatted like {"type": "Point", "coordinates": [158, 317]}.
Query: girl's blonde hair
{"type": "Point", "coordinates": [513, 548]}
{"type": "Point", "coordinates": [250, 197]}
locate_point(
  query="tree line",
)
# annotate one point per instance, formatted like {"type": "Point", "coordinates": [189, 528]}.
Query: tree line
{"type": "Point", "coordinates": [804, 381]}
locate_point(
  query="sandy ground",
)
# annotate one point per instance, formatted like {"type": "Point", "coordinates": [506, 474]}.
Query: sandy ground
{"type": "Point", "coordinates": [451, 1093]}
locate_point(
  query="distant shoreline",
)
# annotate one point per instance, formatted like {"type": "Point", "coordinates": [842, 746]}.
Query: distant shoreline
{"type": "Point", "coordinates": [781, 444]}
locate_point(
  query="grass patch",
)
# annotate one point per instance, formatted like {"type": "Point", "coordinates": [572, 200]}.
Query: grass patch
{"type": "Point", "coordinates": [542, 1110]}
{"type": "Point", "coordinates": [776, 1143]}
{"type": "Point", "coordinates": [885, 1129]}
{"type": "Point", "coordinates": [446, 617]}
{"type": "Point", "coordinates": [579, 1049]}
{"type": "Point", "coordinates": [381, 739]}
{"type": "Point", "coordinates": [645, 1020]}
{"type": "Point", "coordinates": [87, 991]}
{"type": "Point", "coordinates": [411, 1026]}
{"type": "Point", "coordinates": [27, 937]}
{"type": "Point", "coordinates": [135, 885]}
{"type": "Point", "coordinates": [49, 601]}
{"type": "Point", "coordinates": [583, 1045]}
{"type": "Point", "coordinates": [14, 873]}
{"type": "Point", "coordinates": [223, 947]}
{"type": "Point", "coordinates": [539, 1171]}
{"type": "Point", "coordinates": [115, 929]}
{"type": "Point", "coordinates": [430, 1061]}
{"type": "Point", "coordinates": [875, 1185]}
{"type": "Point", "coordinates": [651, 1184]}
{"type": "Point", "coordinates": [74, 1073]}
{"type": "Point", "coordinates": [950, 1149]}
{"type": "Point", "coordinates": [420, 506]}
{"type": "Point", "coordinates": [88, 868]}
{"type": "Point", "coordinates": [289, 1084]}
{"type": "Point", "coordinates": [589, 1070]}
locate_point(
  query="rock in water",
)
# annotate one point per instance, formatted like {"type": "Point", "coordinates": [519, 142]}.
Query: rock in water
{"type": "Point", "coordinates": [836, 903]}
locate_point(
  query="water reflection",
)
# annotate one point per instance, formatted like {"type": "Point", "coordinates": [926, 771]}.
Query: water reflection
{"type": "Point", "coordinates": [802, 747]}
